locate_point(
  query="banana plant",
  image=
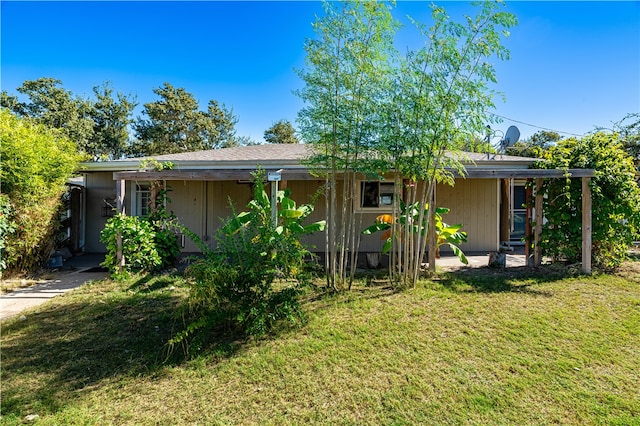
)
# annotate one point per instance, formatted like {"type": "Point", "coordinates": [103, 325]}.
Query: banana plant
{"type": "Point", "coordinates": [290, 216]}
{"type": "Point", "coordinates": [450, 235]}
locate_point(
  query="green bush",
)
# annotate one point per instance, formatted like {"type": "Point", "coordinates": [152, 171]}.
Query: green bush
{"type": "Point", "coordinates": [615, 198]}
{"type": "Point", "coordinates": [36, 163]}
{"type": "Point", "coordinates": [138, 244]}
{"type": "Point", "coordinates": [7, 226]}
{"type": "Point", "coordinates": [148, 243]}
{"type": "Point", "coordinates": [254, 277]}
{"type": "Point", "coordinates": [164, 225]}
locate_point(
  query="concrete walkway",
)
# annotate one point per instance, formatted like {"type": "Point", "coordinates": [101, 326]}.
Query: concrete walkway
{"type": "Point", "coordinates": [70, 277]}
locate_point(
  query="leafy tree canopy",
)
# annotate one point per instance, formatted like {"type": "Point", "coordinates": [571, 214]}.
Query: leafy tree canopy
{"type": "Point", "coordinates": [176, 124]}
{"type": "Point", "coordinates": [111, 119]}
{"type": "Point", "coordinates": [98, 127]}
{"type": "Point", "coordinates": [535, 145]}
{"type": "Point", "coordinates": [48, 103]}
{"type": "Point", "coordinates": [629, 130]}
{"type": "Point", "coordinates": [281, 131]}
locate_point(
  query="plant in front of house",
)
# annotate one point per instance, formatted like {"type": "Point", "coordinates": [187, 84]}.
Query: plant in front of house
{"type": "Point", "coordinates": [615, 201]}
{"type": "Point", "coordinates": [164, 225]}
{"type": "Point", "coordinates": [254, 277]}
{"type": "Point", "coordinates": [138, 244]}
{"type": "Point", "coordinates": [409, 221]}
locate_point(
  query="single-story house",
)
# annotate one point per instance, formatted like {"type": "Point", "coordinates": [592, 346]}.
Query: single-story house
{"type": "Point", "coordinates": [202, 184]}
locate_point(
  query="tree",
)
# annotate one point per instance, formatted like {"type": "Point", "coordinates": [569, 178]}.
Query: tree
{"type": "Point", "coordinates": [629, 130]}
{"type": "Point", "coordinates": [616, 200]}
{"type": "Point", "coordinates": [370, 111]}
{"type": "Point", "coordinates": [441, 98]}
{"type": "Point", "coordinates": [36, 162]}
{"type": "Point", "coordinates": [345, 81]}
{"type": "Point", "coordinates": [111, 118]}
{"type": "Point", "coordinates": [53, 106]}
{"type": "Point", "coordinates": [535, 145]}
{"type": "Point", "coordinates": [281, 131]}
{"type": "Point", "coordinates": [175, 124]}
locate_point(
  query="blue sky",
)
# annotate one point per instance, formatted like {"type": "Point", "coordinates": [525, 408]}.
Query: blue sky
{"type": "Point", "coordinates": [574, 65]}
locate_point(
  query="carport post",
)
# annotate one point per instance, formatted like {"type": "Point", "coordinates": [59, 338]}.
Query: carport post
{"type": "Point", "coordinates": [586, 225]}
{"type": "Point", "coordinates": [120, 191]}
{"type": "Point", "coordinates": [537, 252]}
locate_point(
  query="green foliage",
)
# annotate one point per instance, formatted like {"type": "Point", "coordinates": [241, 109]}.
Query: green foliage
{"type": "Point", "coordinates": [36, 163]}
{"type": "Point", "coordinates": [54, 107]}
{"type": "Point", "coordinates": [138, 244]}
{"type": "Point", "coordinates": [629, 130]}
{"type": "Point", "coordinates": [450, 235]}
{"type": "Point", "coordinates": [111, 116]}
{"type": "Point", "coordinates": [616, 200]}
{"type": "Point", "coordinates": [176, 124]}
{"type": "Point", "coordinates": [535, 145]}
{"type": "Point", "coordinates": [148, 243]}
{"type": "Point", "coordinates": [345, 89]}
{"type": "Point", "coordinates": [7, 226]}
{"type": "Point", "coordinates": [164, 224]}
{"type": "Point", "coordinates": [281, 131]}
{"type": "Point", "coordinates": [370, 110]}
{"type": "Point", "coordinates": [254, 277]}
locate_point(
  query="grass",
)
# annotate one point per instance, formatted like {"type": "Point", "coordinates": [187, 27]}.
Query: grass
{"type": "Point", "coordinates": [476, 347]}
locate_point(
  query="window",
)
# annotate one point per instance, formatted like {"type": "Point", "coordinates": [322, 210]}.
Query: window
{"type": "Point", "coordinates": [518, 212]}
{"type": "Point", "coordinates": [141, 198]}
{"type": "Point", "coordinates": [376, 195]}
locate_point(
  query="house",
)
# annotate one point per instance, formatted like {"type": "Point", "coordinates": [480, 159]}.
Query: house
{"type": "Point", "coordinates": [202, 183]}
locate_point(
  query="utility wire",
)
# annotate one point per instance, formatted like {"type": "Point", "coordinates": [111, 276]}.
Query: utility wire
{"type": "Point", "coordinates": [537, 127]}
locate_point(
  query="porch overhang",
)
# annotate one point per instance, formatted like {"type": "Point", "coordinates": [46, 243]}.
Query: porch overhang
{"type": "Point", "coordinates": [304, 174]}
{"type": "Point", "coordinates": [301, 173]}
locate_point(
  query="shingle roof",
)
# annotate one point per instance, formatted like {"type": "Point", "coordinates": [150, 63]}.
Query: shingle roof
{"type": "Point", "coordinates": [293, 152]}
{"type": "Point", "coordinates": [253, 153]}
{"type": "Point", "coordinates": [274, 155]}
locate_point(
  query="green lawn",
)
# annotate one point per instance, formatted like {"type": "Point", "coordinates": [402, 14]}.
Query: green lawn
{"type": "Point", "coordinates": [487, 347]}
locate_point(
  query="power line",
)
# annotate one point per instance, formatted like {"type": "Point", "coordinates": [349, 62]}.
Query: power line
{"type": "Point", "coordinates": [537, 127]}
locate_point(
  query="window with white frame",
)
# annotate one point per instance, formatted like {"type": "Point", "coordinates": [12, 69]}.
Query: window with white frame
{"type": "Point", "coordinates": [141, 199]}
{"type": "Point", "coordinates": [376, 195]}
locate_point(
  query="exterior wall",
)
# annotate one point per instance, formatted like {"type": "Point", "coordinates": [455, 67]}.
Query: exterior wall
{"type": "Point", "coordinates": [201, 207]}
{"type": "Point", "coordinates": [100, 186]}
{"type": "Point", "coordinates": [475, 203]}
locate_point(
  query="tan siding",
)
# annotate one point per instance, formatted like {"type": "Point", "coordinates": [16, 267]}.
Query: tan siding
{"type": "Point", "coordinates": [100, 187]}
{"type": "Point", "coordinates": [202, 206]}
{"type": "Point", "coordinates": [474, 203]}
{"type": "Point", "coordinates": [186, 203]}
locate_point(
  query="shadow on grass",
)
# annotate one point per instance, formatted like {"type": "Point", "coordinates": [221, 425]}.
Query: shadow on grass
{"type": "Point", "coordinates": [56, 353]}
{"type": "Point", "coordinates": [514, 279]}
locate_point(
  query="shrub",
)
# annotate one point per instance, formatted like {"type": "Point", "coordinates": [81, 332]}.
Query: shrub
{"type": "Point", "coordinates": [148, 243]}
{"type": "Point", "coordinates": [7, 226]}
{"type": "Point", "coordinates": [254, 277]}
{"type": "Point", "coordinates": [138, 244]}
{"type": "Point", "coordinates": [36, 163]}
{"type": "Point", "coordinates": [616, 200]}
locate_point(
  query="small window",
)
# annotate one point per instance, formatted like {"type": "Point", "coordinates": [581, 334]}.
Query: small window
{"type": "Point", "coordinates": [142, 197]}
{"type": "Point", "coordinates": [376, 194]}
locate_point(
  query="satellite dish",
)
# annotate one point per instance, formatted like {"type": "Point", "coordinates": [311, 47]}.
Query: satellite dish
{"type": "Point", "coordinates": [511, 137]}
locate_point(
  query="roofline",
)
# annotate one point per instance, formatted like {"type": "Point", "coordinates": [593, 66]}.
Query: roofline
{"type": "Point", "coordinates": [134, 165]}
